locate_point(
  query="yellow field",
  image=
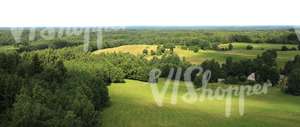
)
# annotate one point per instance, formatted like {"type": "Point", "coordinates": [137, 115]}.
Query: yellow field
{"type": "Point", "coordinates": [138, 50]}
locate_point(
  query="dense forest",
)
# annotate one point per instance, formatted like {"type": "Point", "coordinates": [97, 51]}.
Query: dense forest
{"type": "Point", "coordinates": [38, 90]}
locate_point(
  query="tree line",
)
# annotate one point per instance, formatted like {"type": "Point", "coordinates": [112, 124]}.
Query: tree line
{"type": "Point", "coordinates": [204, 39]}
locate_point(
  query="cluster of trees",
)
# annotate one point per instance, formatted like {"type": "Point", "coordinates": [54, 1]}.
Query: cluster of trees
{"type": "Point", "coordinates": [292, 71]}
{"type": "Point", "coordinates": [161, 49]}
{"type": "Point", "coordinates": [122, 66]}
{"type": "Point", "coordinates": [233, 72]}
{"type": "Point", "coordinates": [130, 66]}
{"type": "Point", "coordinates": [264, 67]}
{"type": "Point", "coordinates": [168, 62]}
{"type": "Point", "coordinates": [34, 92]}
{"type": "Point", "coordinates": [239, 38]}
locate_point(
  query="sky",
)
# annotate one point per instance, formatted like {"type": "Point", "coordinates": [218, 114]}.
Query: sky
{"type": "Point", "coordinates": [28, 13]}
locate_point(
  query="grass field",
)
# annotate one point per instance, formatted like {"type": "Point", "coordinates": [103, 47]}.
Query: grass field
{"type": "Point", "coordinates": [220, 56]}
{"type": "Point", "coordinates": [133, 106]}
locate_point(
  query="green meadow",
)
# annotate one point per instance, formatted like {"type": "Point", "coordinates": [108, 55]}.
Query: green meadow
{"type": "Point", "coordinates": [133, 105]}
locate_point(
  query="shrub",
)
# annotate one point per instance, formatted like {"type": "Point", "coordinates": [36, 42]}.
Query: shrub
{"type": "Point", "coordinates": [152, 53]}
{"type": "Point", "coordinates": [145, 52]}
{"type": "Point", "coordinates": [284, 48]}
{"type": "Point", "coordinates": [249, 47]}
{"type": "Point", "coordinates": [215, 46]}
{"type": "Point", "coordinates": [230, 46]}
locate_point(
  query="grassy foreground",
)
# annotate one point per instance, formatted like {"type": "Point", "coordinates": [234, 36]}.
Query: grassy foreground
{"type": "Point", "coordinates": [133, 106]}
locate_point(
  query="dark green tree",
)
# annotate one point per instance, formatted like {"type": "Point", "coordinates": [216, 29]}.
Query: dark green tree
{"type": "Point", "coordinates": [293, 82]}
{"type": "Point", "coordinates": [230, 46]}
{"type": "Point", "coordinates": [249, 47]}
{"type": "Point", "coordinates": [152, 53]}
{"type": "Point", "coordinates": [214, 67]}
{"type": "Point", "coordinates": [266, 73]}
{"type": "Point", "coordinates": [267, 58]}
{"type": "Point", "coordinates": [198, 80]}
{"type": "Point", "coordinates": [284, 48]}
{"type": "Point", "coordinates": [291, 65]}
{"type": "Point", "coordinates": [29, 111]}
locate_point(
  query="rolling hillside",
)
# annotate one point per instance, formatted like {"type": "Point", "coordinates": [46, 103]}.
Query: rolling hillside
{"type": "Point", "coordinates": [237, 53]}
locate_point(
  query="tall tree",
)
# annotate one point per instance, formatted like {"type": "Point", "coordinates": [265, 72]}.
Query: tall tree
{"type": "Point", "coordinates": [230, 46]}
{"type": "Point", "coordinates": [293, 82]}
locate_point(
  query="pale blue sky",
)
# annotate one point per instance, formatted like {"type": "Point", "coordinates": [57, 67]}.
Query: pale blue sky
{"type": "Point", "coordinates": [148, 12]}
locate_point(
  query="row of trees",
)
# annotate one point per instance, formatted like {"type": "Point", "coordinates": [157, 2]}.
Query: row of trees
{"type": "Point", "coordinates": [53, 44]}
{"type": "Point", "coordinates": [279, 37]}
